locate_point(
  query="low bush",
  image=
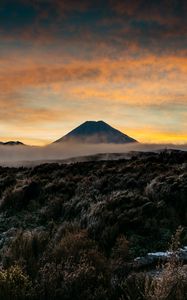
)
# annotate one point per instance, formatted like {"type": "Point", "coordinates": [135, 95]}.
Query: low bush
{"type": "Point", "coordinates": [15, 284]}
{"type": "Point", "coordinates": [26, 249]}
{"type": "Point", "coordinates": [72, 231]}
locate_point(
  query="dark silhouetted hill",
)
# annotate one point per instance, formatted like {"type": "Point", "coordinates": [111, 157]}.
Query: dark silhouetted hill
{"type": "Point", "coordinates": [12, 143]}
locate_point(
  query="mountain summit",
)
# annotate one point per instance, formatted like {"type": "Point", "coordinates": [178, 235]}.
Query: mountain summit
{"type": "Point", "coordinates": [96, 132]}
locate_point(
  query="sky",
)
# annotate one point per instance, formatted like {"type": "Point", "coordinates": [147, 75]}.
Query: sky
{"type": "Point", "coordinates": [65, 62]}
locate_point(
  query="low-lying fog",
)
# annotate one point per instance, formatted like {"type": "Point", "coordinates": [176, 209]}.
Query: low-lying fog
{"type": "Point", "coordinates": [29, 155]}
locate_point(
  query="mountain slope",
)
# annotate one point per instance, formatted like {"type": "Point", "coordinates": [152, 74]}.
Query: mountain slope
{"type": "Point", "coordinates": [96, 132]}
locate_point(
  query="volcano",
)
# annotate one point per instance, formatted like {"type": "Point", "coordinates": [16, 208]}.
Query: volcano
{"type": "Point", "coordinates": [96, 132]}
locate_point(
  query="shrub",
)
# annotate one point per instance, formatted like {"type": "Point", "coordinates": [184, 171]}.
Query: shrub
{"type": "Point", "coordinates": [19, 196]}
{"type": "Point", "coordinates": [25, 249]}
{"type": "Point", "coordinates": [87, 278]}
{"type": "Point", "coordinates": [171, 282]}
{"type": "Point", "coordinates": [15, 284]}
{"type": "Point", "coordinates": [121, 249]}
{"type": "Point", "coordinates": [72, 244]}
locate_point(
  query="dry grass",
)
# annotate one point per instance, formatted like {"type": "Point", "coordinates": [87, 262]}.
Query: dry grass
{"type": "Point", "coordinates": [171, 282]}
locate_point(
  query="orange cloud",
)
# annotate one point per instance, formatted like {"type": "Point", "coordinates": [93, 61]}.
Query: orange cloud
{"type": "Point", "coordinates": [67, 93]}
{"type": "Point", "coordinates": [143, 69]}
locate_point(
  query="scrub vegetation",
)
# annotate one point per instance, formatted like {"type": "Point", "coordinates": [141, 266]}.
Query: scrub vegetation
{"type": "Point", "coordinates": [73, 231]}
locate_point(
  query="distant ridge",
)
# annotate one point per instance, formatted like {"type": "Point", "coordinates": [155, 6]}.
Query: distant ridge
{"type": "Point", "coordinates": [12, 143]}
{"type": "Point", "coordinates": [96, 132]}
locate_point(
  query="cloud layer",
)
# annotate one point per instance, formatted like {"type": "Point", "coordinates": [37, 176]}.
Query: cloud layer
{"type": "Point", "coordinates": [30, 156]}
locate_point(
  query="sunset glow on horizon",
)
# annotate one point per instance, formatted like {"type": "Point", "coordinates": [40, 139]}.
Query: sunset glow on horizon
{"type": "Point", "coordinates": [66, 62]}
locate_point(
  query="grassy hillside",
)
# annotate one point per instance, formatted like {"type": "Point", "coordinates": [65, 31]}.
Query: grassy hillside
{"type": "Point", "coordinates": [73, 231]}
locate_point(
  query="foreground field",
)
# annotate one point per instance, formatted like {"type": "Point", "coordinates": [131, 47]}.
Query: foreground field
{"type": "Point", "coordinates": [73, 231]}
